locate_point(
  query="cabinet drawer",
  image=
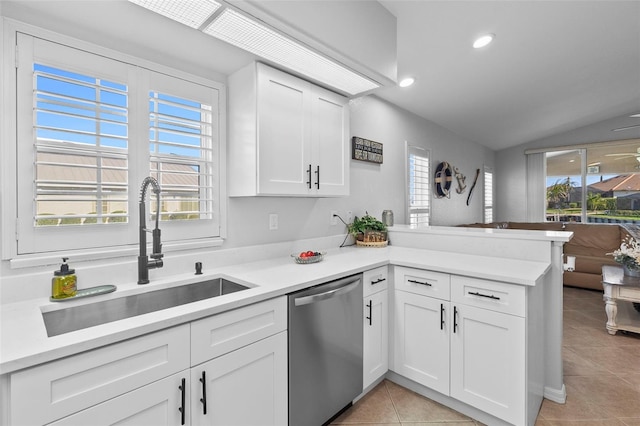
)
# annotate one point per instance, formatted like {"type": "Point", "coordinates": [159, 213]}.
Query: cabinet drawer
{"type": "Point", "coordinates": [223, 333]}
{"type": "Point", "coordinates": [374, 280]}
{"type": "Point", "coordinates": [428, 283]}
{"type": "Point", "coordinates": [496, 296]}
{"type": "Point", "coordinates": [57, 389]}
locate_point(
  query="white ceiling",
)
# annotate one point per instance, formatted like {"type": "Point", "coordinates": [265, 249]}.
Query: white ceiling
{"type": "Point", "coordinates": [554, 66]}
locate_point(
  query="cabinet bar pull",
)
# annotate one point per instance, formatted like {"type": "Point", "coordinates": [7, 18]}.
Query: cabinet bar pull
{"type": "Point", "coordinates": [183, 390]}
{"type": "Point", "coordinates": [318, 177]}
{"type": "Point", "coordinates": [442, 316]}
{"type": "Point", "coordinates": [420, 282]}
{"type": "Point", "coordinates": [309, 176]}
{"type": "Point", "coordinates": [378, 281]}
{"type": "Point", "coordinates": [455, 319]}
{"type": "Point", "coordinates": [203, 380]}
{"type": "Point", "coordinates": [488, 296]}
{"type": "Point", "coordinates": [370, 306]}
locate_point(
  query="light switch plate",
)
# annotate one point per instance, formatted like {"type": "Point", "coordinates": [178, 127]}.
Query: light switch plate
{"type": "Point", "coordinates": [273, 221]}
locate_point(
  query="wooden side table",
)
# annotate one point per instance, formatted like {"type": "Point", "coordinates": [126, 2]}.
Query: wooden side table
{"type": "Point", "coordinates": [618, 286]}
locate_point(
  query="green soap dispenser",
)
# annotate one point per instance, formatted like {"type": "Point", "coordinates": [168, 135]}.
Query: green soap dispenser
{"type": "Point", "coordinates": [64, 282]}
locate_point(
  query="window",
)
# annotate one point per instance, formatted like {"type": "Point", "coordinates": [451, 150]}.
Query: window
{"type": "Point", "coordinates": [418, 193]}
{"type": "Point", "coordinates": [596, 182]}
{"type": "Point", "coordinates": [81, 149]}
{"type": "Point", "coordinates": [90, 129]}
{"type": "Point", "coordinates": [488, 194]}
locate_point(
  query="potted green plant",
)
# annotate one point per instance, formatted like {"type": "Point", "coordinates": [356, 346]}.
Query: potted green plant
{"type": "Point", "coordinates": [367, 230]}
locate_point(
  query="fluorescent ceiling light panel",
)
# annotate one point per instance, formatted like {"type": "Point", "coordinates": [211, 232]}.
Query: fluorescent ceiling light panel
{"type": "Point", "coordinates": [191, 13]}
{"type": "Point", "coordinates": [247, 34]}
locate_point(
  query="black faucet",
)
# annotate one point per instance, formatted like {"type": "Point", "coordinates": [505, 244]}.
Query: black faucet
{"type": "Point", "coordinates": [144, 264]}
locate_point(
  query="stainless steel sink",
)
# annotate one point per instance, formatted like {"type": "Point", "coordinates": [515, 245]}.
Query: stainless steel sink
{"type": "Point", "coordinates": [92, 314]}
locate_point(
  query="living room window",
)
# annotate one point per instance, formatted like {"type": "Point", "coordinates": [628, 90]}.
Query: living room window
{"type": "Point", "coordinates": [89, 129]}
{"type": "Point", "coordinates": [597, 183]}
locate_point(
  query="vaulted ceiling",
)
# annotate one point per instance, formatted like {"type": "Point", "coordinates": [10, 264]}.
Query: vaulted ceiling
{"type": "Point", "coordinates": [554, 66]}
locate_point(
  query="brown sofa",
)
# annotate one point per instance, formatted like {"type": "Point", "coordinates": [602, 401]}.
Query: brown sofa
{"type": "Point", "coordinates": [590, 244]}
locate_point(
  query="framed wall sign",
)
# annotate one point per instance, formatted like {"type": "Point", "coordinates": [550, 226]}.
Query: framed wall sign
{"type": "Point", "coordinates": [366, 150]}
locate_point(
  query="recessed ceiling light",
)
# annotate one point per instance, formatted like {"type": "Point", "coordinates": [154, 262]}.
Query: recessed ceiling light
{"type": "Point", "coordinates": [483, 40]}
{"type": "Point", "coordinates": [406, 82]}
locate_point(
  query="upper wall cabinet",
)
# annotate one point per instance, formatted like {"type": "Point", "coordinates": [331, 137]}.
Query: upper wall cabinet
{"type": "Point", "coordinates": [287, 137]}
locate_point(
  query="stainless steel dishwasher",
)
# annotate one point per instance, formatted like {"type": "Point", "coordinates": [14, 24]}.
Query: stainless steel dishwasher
{"type": "Point", "coordinates": [325, 350]}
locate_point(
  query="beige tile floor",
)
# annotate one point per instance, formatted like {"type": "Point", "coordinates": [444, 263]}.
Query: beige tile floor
{"type": "Point", "coordinates": [601, 374]}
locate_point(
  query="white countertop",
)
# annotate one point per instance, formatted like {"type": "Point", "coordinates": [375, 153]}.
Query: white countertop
{"type": "Point", "coordinates": [24, 341]}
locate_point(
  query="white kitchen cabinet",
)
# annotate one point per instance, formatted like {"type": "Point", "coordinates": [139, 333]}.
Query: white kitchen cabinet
{"type": "Point", "coordinates": [422, 340]}
{"type": "Point", "coordinates": [240, 362]}
{"type": "Point", "coordinates": [376, 325]}
{"type": "Point", "coordinates": [287, 136]}
{"type": "Point", "coordinates": [245, 387]}
{"type": "Point", "coordinates": [66, 386]}
{"type": "Point", "coordinates": [148, 380]}
{"type": "Point", "coordinates": [469, 343]}
{"type": "Point", "coordinates": [157, 404]}
{"type": "Point", "coordinates": [488, 362]}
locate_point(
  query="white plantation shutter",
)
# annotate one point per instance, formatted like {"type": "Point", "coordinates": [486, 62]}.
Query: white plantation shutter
{"type": "Point", "coordinates": [488, 195]}
{"type": "Point", "coordinates": [90, 128]}
{"type": "Point", "coordinates": [81, 157]}
{"type": "Point", "coordinates": [181, 153]}
{"type": "Point", "coordinates": [418, 191]}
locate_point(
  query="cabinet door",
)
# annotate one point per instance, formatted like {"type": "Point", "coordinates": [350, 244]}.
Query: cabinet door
{"type": "Point", "coordinates": [422, 340]}
{"type": "Point", "coordinates": [68, 385]}
{"type": "Point", "coordinates": [376, 337]}
{"type": "Point", "coordinates": [488, 362]}
{"type": "Point", "coordinates": [156, 404]}
{"type": "Point", "coordinates": [330, 143]}
{"type": "Point", "coordinates": [244, 387]}
{"type": "Point", "coordinates": [284, 133]}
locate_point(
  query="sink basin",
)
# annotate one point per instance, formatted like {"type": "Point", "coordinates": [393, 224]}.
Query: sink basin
{"type": "Point", "coordinates": [78, 317]}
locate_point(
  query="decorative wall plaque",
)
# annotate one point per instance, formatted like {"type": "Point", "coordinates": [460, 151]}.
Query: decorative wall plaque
{"type": "Point", "coordinates": [366, 150]}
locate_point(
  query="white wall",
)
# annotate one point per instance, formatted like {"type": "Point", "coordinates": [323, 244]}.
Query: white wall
{"type": "Point", "coordinates": [510, 173]}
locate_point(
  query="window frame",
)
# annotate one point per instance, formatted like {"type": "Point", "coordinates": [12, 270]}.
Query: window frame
{"type": "Point", "coordinates": [424, 153]}
{"type": "Point", "coordinates": [9, 218]}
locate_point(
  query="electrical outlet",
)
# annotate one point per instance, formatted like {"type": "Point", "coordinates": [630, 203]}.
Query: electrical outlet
{"type": "Point", "coordinates": [334, 218]}
{"type": "Point", "coordinates": [273, 221]}
{"type": "Point", "coordinates": [349, 216]}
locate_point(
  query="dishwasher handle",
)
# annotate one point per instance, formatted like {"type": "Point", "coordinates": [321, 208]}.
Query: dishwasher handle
{"type": "Point", "coordinates": [348, 285]}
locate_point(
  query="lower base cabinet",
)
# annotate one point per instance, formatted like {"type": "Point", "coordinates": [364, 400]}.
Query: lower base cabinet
{"type": "Point", "coordinates": [157, 404]}
{"type": "Point", "coordinates": [245, 387]}
{"type": "Point", "coordinates": [422, 340]}
{"type": "Point", "coordinates": [468, 339]}
{"type": "Point", "coordinates": [228, 369]}
{"type": "Point", "coordinates": [488, 362]}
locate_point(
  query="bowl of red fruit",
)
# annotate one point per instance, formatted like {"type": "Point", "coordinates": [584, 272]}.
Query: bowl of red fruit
{"type": "Point", "coordinates": [309, 256]}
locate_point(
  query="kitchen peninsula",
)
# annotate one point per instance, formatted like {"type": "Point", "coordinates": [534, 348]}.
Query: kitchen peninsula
{"type": "Point", "coordinates": [525, 259]}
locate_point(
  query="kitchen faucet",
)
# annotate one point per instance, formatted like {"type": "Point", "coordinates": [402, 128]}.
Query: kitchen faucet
{"type": "Point", "coordinates": [144, 264]}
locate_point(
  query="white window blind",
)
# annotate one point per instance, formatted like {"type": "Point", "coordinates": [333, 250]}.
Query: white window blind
{"type": "Point", "coordinates": [81, 156]}
{"type": "Point", "coordinates": [418, 188]}
{"type": "Point", "coordinates": [181, 153]}
{"type": "Point", "coordinates": [488, 195]}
